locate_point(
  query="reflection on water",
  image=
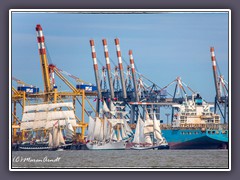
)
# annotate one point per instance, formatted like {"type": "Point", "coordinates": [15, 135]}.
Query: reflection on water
{"type": "Point", "coordinates": [121, 158]}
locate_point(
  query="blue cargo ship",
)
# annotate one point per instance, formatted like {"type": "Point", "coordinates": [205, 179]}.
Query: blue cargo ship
{"type": "Point", "coordinates": [195, 126]}
{"type": "Point", "coordinates": [196, 138]}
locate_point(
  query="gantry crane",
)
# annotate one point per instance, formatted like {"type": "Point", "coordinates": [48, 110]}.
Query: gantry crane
{"type": "Point", "coordinates": [50, 90]}
{"type": "Point", "coordinates": [221, 87]}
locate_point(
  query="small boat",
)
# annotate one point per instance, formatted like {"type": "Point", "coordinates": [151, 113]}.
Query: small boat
{"type": "Point", "coordinates": [148, 135]}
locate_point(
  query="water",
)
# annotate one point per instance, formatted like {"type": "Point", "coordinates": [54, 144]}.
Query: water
{"type": "Point", "coordinates": [121, 158]}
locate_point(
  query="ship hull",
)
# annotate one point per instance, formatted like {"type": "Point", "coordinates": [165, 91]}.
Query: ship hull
{"type": "Point", "coordinates": [166, 146]}
{"type": "Point", "coordinates": [35, 147]}
{"type": "Point", "coordinates": [107, 146]}
{"type": "Point", "coordinates": [41, 147]}
{"type": "Point", "coordinates": [196, 139]}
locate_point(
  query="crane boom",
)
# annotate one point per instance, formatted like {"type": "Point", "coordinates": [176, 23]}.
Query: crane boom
{"type": "Point", "coordinates": [215, 75]}
{"type": "Point", "coordinates": [65, 80]}
{"type": "Point", "coordinates": [43, 60]}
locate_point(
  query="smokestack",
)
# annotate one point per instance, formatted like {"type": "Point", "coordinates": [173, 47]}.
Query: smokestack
{"type": "Point", "coordinates": [108, 68]}
{"type": "Point", "coordinates": [95, 66]}
{"type": "Point", "coordinates": [133, 75]}
{"type": "Point", "coordinates": [120, 68]}
{"type": "Point", "coordinates": [214, 65]}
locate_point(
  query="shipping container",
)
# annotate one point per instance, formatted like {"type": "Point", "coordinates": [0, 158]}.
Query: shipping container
{"type": "Point", "coordinates": [87, 87]}
{"type": "Point", "coordinates": [29, 90]}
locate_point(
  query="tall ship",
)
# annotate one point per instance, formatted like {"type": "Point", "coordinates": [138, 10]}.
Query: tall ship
{"type": "Point", "coordinates": [195, 126]}
{"type": "Point", "coordinates": [45, 125]}
{"type": "Point", "coordinates": [148, 135]}
{"type": "Point", "coordinates": [109, 131]}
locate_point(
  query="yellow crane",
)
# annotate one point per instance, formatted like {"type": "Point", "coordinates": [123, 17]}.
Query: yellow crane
{"type": "Point", "coordinates": [50, 91]}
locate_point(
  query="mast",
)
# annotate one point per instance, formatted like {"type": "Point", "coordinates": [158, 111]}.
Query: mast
{"type": "Point", "coordinates": [108, 68]}
{"type": "Point", "coordinates": [121, 68]}
{"type": "Point", "coordinates": [95, 66]}
{"type": "Point", "coordinates": [44, 61]}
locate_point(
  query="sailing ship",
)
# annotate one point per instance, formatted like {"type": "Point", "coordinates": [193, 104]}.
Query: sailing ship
{"type": "Point", "coordinates": [148, 134]}
{"type": "Point", "coordinates": [108, 132]}
{"type": "Point", "coordinates": [51, 118]}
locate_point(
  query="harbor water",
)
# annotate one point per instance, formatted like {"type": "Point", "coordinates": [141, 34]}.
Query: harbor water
{"type": "Point", "coordinates": [164, 159]}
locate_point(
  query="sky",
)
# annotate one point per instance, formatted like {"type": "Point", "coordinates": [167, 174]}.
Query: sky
{"type": "Point", "coordinates": [164, 45]}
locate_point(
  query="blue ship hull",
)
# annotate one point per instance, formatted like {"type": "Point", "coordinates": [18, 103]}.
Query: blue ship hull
{"type": "Point", "coordinates": [196, 139]}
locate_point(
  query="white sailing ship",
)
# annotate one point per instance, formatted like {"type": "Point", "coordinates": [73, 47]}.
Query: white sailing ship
{"type": "Point", "coordinates": [148, 134]}
{"type": "Point", "coordinates": [108, 133]}
{"type": "Point", "coordinates": [50, 117]}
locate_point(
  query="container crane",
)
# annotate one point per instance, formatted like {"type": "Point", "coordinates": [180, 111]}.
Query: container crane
{"type": "Point", "coordinates": [50, 89]}
{"type": "Point", "coordinates": [119, 56]}
{"type": "Point", "coordinates": [110, 81]}
{"type": "Point", "coordinates": [43, 61]}
{"type": "Point", "coordinates": [221, 98]}
{"type": "Point", "coordinates": [95, 66]}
